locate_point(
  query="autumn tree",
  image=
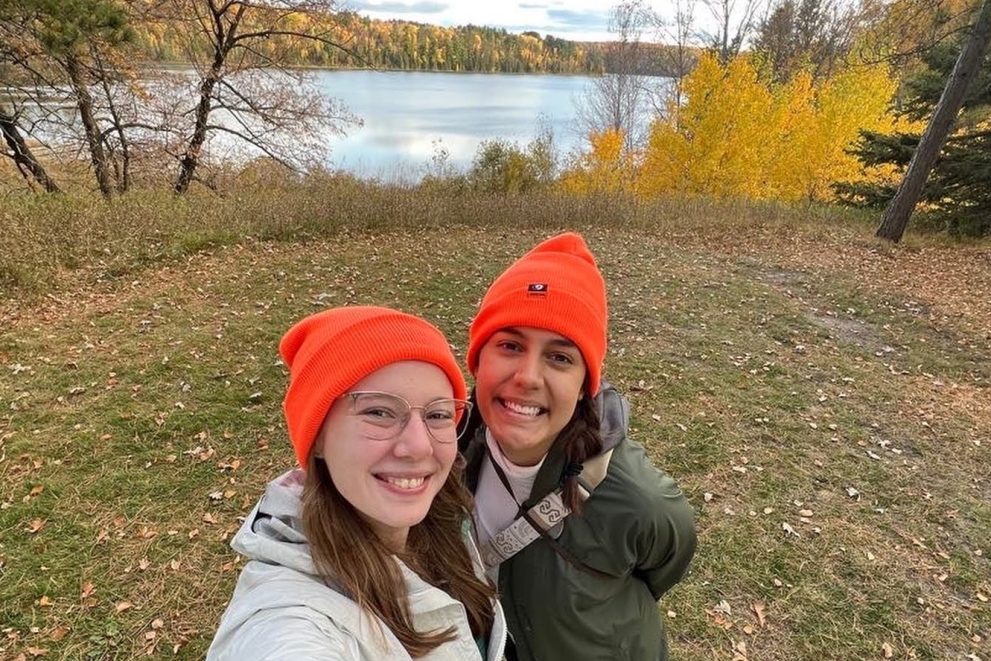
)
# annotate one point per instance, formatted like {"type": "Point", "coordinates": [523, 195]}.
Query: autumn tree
{"type": "Point", "coordinates": [740, 136]}
{"type": "Point", "coordinates": [616, 102]}
{"type": "Point", "coordinates": [812, 35]}
{"type": "Point", "coordinates": [58, 47]}
{"type": "Point", "coordinates": [245, 88]}
{"type": "Point", "coordinates": [607, 168]}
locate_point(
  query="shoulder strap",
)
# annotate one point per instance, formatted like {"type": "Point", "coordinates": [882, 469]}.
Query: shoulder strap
{"type": "Point", "coordinates": [539, 519]}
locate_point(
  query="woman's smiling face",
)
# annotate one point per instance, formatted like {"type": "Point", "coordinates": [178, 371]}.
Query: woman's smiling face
{"type": "Point", "coordinates": [527, 384]}
{"type": "Point", "coordinates": [391, 483]}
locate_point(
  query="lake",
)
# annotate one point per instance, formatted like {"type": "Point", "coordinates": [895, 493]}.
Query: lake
{"type": "Point", "coordinates": [409, 115]}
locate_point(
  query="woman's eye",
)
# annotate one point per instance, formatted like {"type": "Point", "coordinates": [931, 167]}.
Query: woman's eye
{"type": "Point", "coordinates": [378, 413]}
{"type": "Point", "coordinates": [562, 358]}
{"type": "Point", "coordinates": [440, 415]}
{"type": "Point", "coordinates": [506, 345]}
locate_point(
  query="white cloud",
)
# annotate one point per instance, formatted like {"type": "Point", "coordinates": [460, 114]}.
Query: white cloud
{"type": "Point", "coordinates": [586, 20]}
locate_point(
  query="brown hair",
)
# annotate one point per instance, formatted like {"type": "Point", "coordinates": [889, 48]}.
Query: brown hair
{"type": "Point", "coordinates": [581, 440]}
{"type": "Point", "coordinates": [367, 572]}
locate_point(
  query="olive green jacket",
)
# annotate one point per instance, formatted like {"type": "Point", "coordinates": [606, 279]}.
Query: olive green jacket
{"type": "Point", "coordinates": [637, 534]}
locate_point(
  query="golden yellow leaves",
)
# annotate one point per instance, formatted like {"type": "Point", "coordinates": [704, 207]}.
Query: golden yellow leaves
{"type": "Point", "coordinates": [738, 136]}
{"type": "Point", "coordinates": [605, 169]}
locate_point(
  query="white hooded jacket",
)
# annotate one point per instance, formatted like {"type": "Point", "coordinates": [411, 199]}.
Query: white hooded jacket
{"type": "Point", "coordinates": [281, 609]}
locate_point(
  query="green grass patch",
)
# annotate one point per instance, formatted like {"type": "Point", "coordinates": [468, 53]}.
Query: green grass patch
{"type": "Point", "coordinates": [840, 487]}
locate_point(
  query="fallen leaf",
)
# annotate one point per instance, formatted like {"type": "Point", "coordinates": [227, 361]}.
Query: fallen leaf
{"type": "Point", "coordinates": [123, 606]}
{"type": "Point", "coordinates": [144, 563]}
{"type": "Point", "coordinates": [760, 610]}
{"type": "Point", "coordinates": [37, 651]}
{"type": "Point", "coordinates": [59, 632]}
{"type": "Point", "coordinates": [35, 526]}
{"type": "Point", "coordinates": [45, 602]}
{"type": "Point", "coordinates": [887, 650]}
{"type": "Point", "coordinates": [88, 590]}
{"type": "Point", "coordinates": [788, 529]}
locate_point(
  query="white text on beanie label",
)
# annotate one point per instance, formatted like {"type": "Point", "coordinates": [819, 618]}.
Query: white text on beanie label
{"type": "Point", "coordinates": [537, 289]}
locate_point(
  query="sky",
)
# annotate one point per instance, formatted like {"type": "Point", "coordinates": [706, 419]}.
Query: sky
{"type": "Point", "coordinates": [579, 20]}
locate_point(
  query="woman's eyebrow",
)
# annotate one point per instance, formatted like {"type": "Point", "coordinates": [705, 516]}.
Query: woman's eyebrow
{"type": "Point", "coordinates": [558, 342]}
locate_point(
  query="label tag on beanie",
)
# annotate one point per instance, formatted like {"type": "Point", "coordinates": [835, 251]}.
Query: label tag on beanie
{"type": "Point", "coordinates": [537, 289]}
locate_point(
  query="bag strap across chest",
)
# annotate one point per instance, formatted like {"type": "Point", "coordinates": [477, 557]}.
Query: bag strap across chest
{"type": "Point", "coordinates": [539, 520]}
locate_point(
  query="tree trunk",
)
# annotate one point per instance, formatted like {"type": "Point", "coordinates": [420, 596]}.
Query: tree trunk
{"type": "Point", "coordinates": [22, 154]}
{"type": "Point", "coordinates": [84, 101]}
{"type": "Point", "coordinates": [190, 159]}
{"type": "Point", "coordinates": [899, 210]}
{"type": "Point", "coordinates": [122, 173]}
{"type": "Point", "coordinates": [224, 39]}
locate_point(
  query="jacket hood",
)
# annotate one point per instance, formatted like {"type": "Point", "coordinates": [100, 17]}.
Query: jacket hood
{"type": "Point", "coordinates": [273, 532]}
{"type": "Point", "coordinates": [614, 416]}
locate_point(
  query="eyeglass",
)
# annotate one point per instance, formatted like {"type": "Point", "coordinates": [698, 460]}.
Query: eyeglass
{"type": "Point", "coordinates": [384, 416]}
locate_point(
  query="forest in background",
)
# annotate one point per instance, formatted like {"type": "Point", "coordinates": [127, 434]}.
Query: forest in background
{"type": "Point", "coordinates": [796, 101]}
{"type": "Point", "coordinates": [354, 41]}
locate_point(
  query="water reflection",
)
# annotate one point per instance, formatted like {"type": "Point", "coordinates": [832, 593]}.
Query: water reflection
{"type": "Point", "coordinates": [408, 115]}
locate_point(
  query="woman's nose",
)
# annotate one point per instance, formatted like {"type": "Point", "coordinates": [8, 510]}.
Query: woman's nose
{"type": "Point", "coordinates": [528, 371]}
{"type": "Point", "coordinates": [414, 440]}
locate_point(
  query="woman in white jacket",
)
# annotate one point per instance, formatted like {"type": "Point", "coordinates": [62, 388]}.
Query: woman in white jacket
{"type": "Point", "coordinates": [363, 553]}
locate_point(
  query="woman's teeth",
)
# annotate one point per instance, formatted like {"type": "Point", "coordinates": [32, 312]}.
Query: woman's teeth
{"type": "Point", "coordinates": [405, 482]}
{"type": "Point", "coordinates": [522, 410]}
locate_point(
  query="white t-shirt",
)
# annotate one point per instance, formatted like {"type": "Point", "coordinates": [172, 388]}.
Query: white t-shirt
{"type": "Point", "coordinates": [495, 509]}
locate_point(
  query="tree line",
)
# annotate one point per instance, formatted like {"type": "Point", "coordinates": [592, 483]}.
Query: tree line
{"type": "Point", "coordinates": [360, 42]}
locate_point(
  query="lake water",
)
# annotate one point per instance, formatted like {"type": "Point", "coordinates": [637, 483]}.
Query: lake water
{"type": "Point", "coordinates": [408, 116]}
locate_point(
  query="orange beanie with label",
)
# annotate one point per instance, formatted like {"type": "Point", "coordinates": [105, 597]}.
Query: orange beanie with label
{"type": "Point", "coordinates": [330, 351]}
{"type": "Point", "coordinates": [556, 286]}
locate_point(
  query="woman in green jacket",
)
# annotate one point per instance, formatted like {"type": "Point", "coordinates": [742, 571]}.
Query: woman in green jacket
{"type": "Point", "coordinates": [581, 534]}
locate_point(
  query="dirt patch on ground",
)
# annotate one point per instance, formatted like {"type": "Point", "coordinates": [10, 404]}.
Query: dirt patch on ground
{"type": "Point", "coordinates": [948, 284]}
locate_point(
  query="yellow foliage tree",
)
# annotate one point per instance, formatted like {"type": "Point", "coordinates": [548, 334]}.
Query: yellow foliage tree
{"type": "Point", "coordinates": [604, 169]}
{"type": "Point", "coordinates": [739, 136]}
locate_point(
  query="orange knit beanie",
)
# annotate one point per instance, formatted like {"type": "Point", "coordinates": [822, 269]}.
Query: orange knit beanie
{"type": "Point", "coordinates": [328, 352]}
{"type": "Point", "coordinates": [556, 286]}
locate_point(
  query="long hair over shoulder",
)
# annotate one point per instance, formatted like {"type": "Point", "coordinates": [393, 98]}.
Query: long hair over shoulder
{"type": "Point", "coordinates": [351, 558]}
{"type": "Point", "coordinates": [581, 440]}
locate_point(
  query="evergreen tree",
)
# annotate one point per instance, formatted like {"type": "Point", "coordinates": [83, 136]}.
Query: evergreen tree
{"type": "Point", "coordinates": [957, 195]}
